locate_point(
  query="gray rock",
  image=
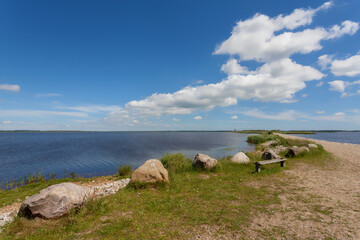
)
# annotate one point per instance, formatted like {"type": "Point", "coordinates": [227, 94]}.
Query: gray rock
{"type": "Point", "coordinates": [151, 171]}
{"type": "Point", "coordinates": [269, 154]}
{"type": "Point", "coordinates": [204, 161]}
{"type": "Point", "coordinates": [295, 151]}
{"type": "Point", "coordinates": [280, 148]}
{"type": "Point", "coordinates": [240, 157]}
{"type": "Point", "coordinates": [311, 145]}
{"type": "Point", "coordinates": [54, 201]}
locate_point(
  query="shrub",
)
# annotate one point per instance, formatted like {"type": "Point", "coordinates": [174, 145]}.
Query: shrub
{"type": "Point", "coordinates": [176, 162]}
{"type": "Point", "coordinates": [258, 139]}
{"type": "Point", "coordinates": [125, 170]}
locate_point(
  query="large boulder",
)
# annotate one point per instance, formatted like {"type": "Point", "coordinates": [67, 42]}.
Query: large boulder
{"type": "Point", "coordinates": [269, 154]}
{"type": "Point", "coordinates": [54, 201]}
{"type": "Point", "coordinates": [240, 157]}
{"type": "Point", "coordinates": [295, 151]}
{"type": "Point", "coordinates": [280, 148]}
{"type": "Point", "coordinates": [204, 161]}
{"type": "Point", "coordinates": [150, 172]}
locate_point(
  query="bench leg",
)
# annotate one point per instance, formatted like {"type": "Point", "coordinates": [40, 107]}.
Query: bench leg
{"type": "Point", "coordinates": [282, 164]}
{"type": "Point", "coordinates": [257, 167]}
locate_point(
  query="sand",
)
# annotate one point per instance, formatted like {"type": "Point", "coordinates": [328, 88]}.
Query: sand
{"type": "Point", "coordinates": [317, 203]}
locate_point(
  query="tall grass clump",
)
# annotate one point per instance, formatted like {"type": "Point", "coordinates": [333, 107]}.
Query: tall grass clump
{"type": "Point", "coordinates": [176, 162]}
{"type": "Point", "coordinates": [258, 139]}
{"type": "Point", "coordinates": [125, 170]}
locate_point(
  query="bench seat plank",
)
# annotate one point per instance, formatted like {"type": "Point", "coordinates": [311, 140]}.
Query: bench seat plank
{"type": "Point", "coordinates": [258, 164]}
{"type": "Point", "coordinates": [271, 161]}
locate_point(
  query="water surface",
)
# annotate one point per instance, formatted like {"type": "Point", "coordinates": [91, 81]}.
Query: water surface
{"type": "Point", "coordinates": [100, 153]}
{"type": "Point", "coordinates": [343, 137]}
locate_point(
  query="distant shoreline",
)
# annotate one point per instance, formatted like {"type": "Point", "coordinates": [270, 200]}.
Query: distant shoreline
{"type": "Point", "coordinates": [235, 131]}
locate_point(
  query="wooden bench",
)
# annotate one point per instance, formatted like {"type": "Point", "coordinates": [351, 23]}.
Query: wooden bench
{"type": "Point", "coordinates": [260, 163]}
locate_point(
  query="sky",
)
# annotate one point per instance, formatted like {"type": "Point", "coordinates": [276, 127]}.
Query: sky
{"type": "Point", "coordinates": [179, 65]}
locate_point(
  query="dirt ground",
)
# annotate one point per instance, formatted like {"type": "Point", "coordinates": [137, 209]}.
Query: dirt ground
{"type": "Point", "coordinates": [317, 202]}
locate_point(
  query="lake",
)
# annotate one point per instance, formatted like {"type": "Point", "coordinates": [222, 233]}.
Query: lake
{"type": "Point", "coordinates": [343, 137]}
{"type": "Point", "coordinates": [100, 153]}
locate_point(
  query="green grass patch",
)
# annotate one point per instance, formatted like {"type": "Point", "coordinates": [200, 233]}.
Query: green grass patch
{"type": "Point", "coordinates": [225, 198]}
{"type": "Point", "coordinates": [125, 170]}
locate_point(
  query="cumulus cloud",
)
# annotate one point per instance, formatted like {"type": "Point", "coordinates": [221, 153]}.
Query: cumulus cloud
{"type": "Point", "coordinates": [9, 87]}
{"type": "Point", "coordinates": [270, 42]}
{"type": "Point", "coordinates": [176, 120]}
{"type": "Point", "coordinates": [6, 122]}
{"type": "Point", "coordinates": [324, 61]}
{"type": "Point", "coordinates": [232, 67]}
{"type": "Point", "coordinates": [275, 81]}
{"type": "Point", "coordinates": [347, 27]}
{"type": "Point", "coordinates": [348, 67]}
{"type": "Point", "coordinates": [342, 86]}
{"type": "Point", "coordinates": [255, 38]}
{"type": "Point", "coordinates": [320, 112]}
{"type": "Point", "coordinates": [198, 118]}
{"type": "Point", "coordinates": [338, 85]}
{"type": "Point", "coordinates": [234, 117]}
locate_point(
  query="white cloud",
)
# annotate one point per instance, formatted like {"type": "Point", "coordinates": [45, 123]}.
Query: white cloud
{"type": "Point", "coordinates": [198, 82]}
{"type": "Point", "coordinates": [324, 61]}
{"type": "Point", "coordinates": [320, 112]}
{"type": "Point", "coordinates": [347, 27]}
{"type": "Point", "coordinates": [320, 84]}
{"type": "Point", "coordinates": [8, 87]}
{"type": "Point", "coordinates": [338, 85]}
{"type": "Point", "coordinates": [94, 108]}
{"type": "Point", "coordinates": [48, 95]}
{"type": "Point", "coordinates": [275, 81]}
{"type": "Point", "coordinates": [348, 67]}
{"type": "Point", "coordinates": [287, 115]}
{"type": "Point", "coordinates": [39, 113]}
{"type": "Point", "coordinates": [176, 120]}
{"type": "Point", "coordinates": [339, 114]}
{"type": "Point", "coordinates": [341, 86]}
{"type": "Point", "coordinates": [234, 117]}
{"type": "Point", "coordinates": [6, 122]}
{"type": "Point", "coordinates": [255, 39]}
{"type": "Point", "coordinates": [269, 41]}
{"type": "Point", "coordinates": [304, 95]}
{"type": "Point", "coordinates": [198, 118]}
{"type": "Point", "coordinates": [233, 67]}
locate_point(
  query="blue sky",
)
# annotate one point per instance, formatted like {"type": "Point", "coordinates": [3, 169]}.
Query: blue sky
{"type": "Point", "coordinates": [179, 65]}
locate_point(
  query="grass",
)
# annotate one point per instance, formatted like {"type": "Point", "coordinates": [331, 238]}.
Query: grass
{"type": "Point", "coordinates": [125, 170]}
{"type": "Point", "coordinates": [224, 200]}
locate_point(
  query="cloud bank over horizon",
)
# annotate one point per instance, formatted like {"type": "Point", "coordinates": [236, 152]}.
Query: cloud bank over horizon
{"type": "Point", "coordinates": [279, 77]}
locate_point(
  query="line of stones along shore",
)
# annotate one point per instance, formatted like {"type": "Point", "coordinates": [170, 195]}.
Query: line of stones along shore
{"type": "Point", "coordinates": [59, 199]}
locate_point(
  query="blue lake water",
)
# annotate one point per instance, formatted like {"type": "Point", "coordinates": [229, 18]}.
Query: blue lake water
{"type": "Point", "coordinates": [100, 153]}
{"type": "Point", "coordinates": [344, 137]}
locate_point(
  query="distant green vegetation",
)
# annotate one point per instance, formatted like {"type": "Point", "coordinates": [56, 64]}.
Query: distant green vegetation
{"type": "Point", "coordinates": [261, 138]}
{"type": "Point", "coordinates": [275, 131]}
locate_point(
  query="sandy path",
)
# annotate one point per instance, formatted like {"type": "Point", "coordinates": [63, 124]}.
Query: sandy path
{"type": "Point", "coordinates": [318, 202]}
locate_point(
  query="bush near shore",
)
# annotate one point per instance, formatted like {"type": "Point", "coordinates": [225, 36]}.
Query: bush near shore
{"type": "Point", "coordinates": [193, 202]}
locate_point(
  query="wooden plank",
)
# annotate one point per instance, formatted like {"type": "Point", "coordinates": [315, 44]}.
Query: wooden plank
{"type": "Point", "coordinates": [271, 161]}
